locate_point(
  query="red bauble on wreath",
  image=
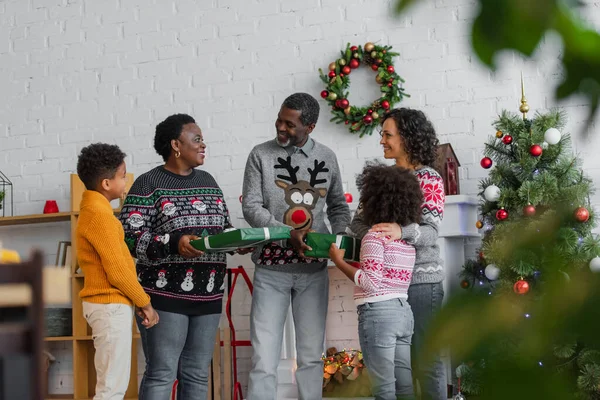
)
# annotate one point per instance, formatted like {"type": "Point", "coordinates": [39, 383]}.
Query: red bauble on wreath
{"type": "Point", "coordinates": [379, 58]}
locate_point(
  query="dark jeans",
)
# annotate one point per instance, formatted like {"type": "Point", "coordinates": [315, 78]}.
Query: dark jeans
{"type": "Point", "coordinates": [425, 300]}
{"type": "Point", "coordinates": [178, 347]}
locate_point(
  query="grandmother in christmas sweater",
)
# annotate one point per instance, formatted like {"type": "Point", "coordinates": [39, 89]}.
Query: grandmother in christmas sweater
{"type": "Point", "coordinates": [165, 209]}
{"type": "Point", "coordinates": [408, 137]}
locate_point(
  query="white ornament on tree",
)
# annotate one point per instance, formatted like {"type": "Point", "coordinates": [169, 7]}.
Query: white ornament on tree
{"type": "Point", "coordinates": [595, 265]}
{"type": "Point", "coordinates": [544, 145]}
{"type": "Point", "coordinates": [552, 136]}
{"type": "Point", "coordinates": [492, 272]}
{"type": "Point", "coordinates": [492, 193]}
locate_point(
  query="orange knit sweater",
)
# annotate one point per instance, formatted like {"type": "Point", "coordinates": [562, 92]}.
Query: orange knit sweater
{"type": "Point", "coordinates": [103, 256]}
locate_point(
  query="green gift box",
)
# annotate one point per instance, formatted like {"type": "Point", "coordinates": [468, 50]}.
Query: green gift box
{"type": "Point", "coordinates": [321, 242]}
{"type": "Point", "coordinates": [240, 238]}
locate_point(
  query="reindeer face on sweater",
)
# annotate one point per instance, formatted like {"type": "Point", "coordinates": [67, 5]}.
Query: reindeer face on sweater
{"type": "Point", "coordinates": [301, 196]}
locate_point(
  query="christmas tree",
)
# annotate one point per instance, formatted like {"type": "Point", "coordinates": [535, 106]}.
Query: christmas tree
{"type": "Point", "coordinates": [537, 243]}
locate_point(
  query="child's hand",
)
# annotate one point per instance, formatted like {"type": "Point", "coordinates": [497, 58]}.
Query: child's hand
{"type": "Point", "coordinates": [149, 316]}
{"type": "Point", "coordinates": [336, 254]}
{"type": "Point", "coordinates": [393, 230]}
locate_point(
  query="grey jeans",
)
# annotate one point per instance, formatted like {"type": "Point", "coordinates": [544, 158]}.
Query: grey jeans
{"type": "Point", "coordinates": [384, 330]}
{"type": "Point", "coordinates": [273, 293]}
{"type": "Point", "coordinates": [425, 300]}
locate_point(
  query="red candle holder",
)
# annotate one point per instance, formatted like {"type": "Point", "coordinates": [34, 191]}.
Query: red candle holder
{"type": "Point", "coordinates": [50, 207]}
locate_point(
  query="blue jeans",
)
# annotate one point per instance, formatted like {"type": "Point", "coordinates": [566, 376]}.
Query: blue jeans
{"type": "Point", "coordinates": [273, 292]}
{"type": "Point", "coordinates": [178, 347]}
{"type": "Point", "coordinates": [384, 331]}
{"type": "Point", "coordinates": [426, 300]}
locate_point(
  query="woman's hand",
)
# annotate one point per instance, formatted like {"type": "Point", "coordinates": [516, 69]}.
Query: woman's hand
{"type": "Point", "coordinates": [185, 249]}
{"type": "Point", "coordinates": [393, 230]}
{"type": "Point", "coordinates": [336, 254]}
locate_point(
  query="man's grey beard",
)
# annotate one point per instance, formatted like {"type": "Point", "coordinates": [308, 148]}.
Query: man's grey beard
{"type": "Point", "coordinates": [283, 144]}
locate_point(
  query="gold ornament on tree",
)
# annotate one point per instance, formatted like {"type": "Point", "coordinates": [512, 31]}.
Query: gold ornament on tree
{"type": "Point", "coordinates": [524, 108]}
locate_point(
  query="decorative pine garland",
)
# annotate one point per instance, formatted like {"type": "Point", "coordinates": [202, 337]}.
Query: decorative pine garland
{"type": "Point", "coordinates": [362, 120]}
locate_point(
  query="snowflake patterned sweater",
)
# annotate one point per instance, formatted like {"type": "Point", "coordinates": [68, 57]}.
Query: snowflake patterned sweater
{"type": "Point", "coordinates": [160, 208]}
{"type": "Point", "coordinates": [385, 269]}
{"type": "Point", "coordinates": [429, 267]}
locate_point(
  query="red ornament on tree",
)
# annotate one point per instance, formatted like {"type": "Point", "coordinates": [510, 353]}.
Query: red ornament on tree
{"type": "Point", "coordinates": [535, 150]}
{"type": "Point", "coordinates": [367, 119]}
{"type": "Point", "coordinates": [331, 74]}
{"type": "Point", "coordinates": [581, 214]}
{"type": "Point", "coordinates": [385, 104]}
{"type": "Point", "coordinates": [390, 69]}
{"type": "Point", "coordinates": [529, 210]}
{"type": "Point", "coordinates": [374, 67]}
{"type": "Point", "coordinates": [486, 162]}
{"type": "Point", "coordinates": [481, 256]}
{"type": "Point", "coordinates": [324, 93]}
{"type": "Point", "coordinates": [521, 286]}
{"type": "Point", "coordinates": [465, 284]}
{"type": "Point", "coordinates": [344, 103]}
{"type": "Point", "coordinates": [354, 63]}
{"type": "Point", "coordinates": [346, 70]}
{"type": "Point", "coordinates": [501, 214]}
{"type": "Point", "coordinates": [507, 139]}
{"type": "Point", "coordinates": [348, 197]}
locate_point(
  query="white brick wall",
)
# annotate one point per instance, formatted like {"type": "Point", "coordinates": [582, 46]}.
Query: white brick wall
{"type": "Point", "coordinates": [77, 71]}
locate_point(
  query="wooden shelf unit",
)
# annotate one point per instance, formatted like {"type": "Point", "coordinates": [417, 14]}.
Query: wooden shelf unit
{"type": "Point", "coordinates": [84, 373]}
{"type": "Point", "coordinates": [35, 219]}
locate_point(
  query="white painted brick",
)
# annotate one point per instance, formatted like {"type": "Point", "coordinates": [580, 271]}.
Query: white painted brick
{"type": "Point", "coordinates": [101, 61]}
{"type": "Point", "coordinates": [218, 16]}
{"type": "Point", "coordinates": [116, 74]}
{"type": "Point", "coordinates": [165, 53]}
{"type": "Point", "coordinates": [159, 68]}
{"type": "Point", "coordinates": [431, 16]}
{"type": "Point", "coordinates": [25, 45]}
{"type": "Point", "coordinates": [46, 28]}
{"type": "Point", "coordinates": [176, 82]}
{"type": "Point", "coordinates": [237, 29]}
{"type": "Point", "coordinates": [100, 33]}
{"type": "Point", "coordinates": [277, 22]}
{"type": "Point", "coordinates": [211, 76]}
{"type": "Point", "coordinates": [345, 28]}
{"type": "Point", "coordinates": [268, 85]}
{"type": "Point", "coordinates": [127, 44]}
{"type": "Point", "coordinates": [232, 89]}
{"type": "Point", "coordinates": [39, 167]}
{"type": "Point", "coordinates": [62, 151]}
{"type": "Point", "coordinates": [119, 16]}
{"type": "Point", "coordinates": [65, 67]}
{"type": "Point", "coordinates": [141, 27]}
{"type": "Point", "coordinates": [46, 112]}
{"type": "Point", "coordinates": [213, 46]}
{"type": "Point", "coordinates": [157, 99]}
{"type": "Point", "coordinates": [291, 5]}
{"type": "Point", "coordinates": [26, 128]}
{"type": "Point", "coordinates": [482, 108]}
{"type": "Point", "coordinates": [442, 97]}
{"type": "Point", "coordinates": [70, 10]}
{"type": "Point", "coordinates": [175, 23]}
{"type": "Point", "coordinates": [264, 38]}
{"type": "Point", "coordinates": [324, 16]}
{"type": "Point", "coordinates": [196, 35]}
{"type": "Point", "coordinates": [491, 92]}
{"type": "Point", "coordinates": [68, 37]}
{"type": "Point", "coordinates": [19, 156]}
{"type": "Point", "coordinates": [31, 16]}
{"type": "Point", "coordinates": [416, 51]}
{"type": "Point", "coordinates": [138, 57]}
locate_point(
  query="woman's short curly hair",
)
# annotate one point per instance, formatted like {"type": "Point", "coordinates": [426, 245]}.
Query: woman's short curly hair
{"type": "Point", "coordinates": [98, 161]}
{"type": "Point", "coordinates": [420, 140]}
{"type": "Point", "coordinates": [389, 194]}
{"type": "Point", "coordinates": [169, 129]}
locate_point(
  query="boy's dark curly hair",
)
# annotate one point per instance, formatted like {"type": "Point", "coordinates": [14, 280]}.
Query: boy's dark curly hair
{"type": "Point", "coordinates": [420, 140]}
{"type": "Point", "coordinates": [168, 130]}
{"type": "Point", "coordinates": [389, 194]}
{"type": "Point", "coordinates": [98, 161]}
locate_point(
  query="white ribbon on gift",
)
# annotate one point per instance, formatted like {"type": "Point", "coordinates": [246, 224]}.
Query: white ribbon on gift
{"type": "Point", "coordinates": [224, 249]}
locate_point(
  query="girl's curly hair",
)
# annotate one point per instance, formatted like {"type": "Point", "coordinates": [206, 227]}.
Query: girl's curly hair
{"type": "Point", "coordinates": [389, 194]}
{"type": "Point", "coordinates": [420, 140]}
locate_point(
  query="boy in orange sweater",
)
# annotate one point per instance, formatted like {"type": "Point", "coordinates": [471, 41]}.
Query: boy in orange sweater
{"type": "Point", "coordinates": [111, 286]}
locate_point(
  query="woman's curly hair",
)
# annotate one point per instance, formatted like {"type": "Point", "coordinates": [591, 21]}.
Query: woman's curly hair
{"type": "Point", "coordinates": [420, 140]}
{"type": "Point", "coordinates": [389, 194]}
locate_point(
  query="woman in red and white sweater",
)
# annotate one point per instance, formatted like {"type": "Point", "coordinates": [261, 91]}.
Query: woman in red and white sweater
{"type": "Point", "coordinates": [385, 319]}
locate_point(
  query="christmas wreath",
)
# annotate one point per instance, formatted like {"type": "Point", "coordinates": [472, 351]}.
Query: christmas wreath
{"type": "Point", "coordinates": [344, 374]}
{"type": "Point", "coordinates": [362, 120]}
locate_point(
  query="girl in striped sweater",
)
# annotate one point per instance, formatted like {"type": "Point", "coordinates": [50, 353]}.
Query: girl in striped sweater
{"type": "Point", "coordinates": [385, 319]}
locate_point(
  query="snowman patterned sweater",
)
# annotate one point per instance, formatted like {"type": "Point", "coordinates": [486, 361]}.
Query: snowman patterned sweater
{"type": "Point", "coordinates": [160, 208]}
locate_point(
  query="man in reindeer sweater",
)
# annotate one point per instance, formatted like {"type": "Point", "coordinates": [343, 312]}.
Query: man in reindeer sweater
{"type": "Point", "coordinates": [288, 181]}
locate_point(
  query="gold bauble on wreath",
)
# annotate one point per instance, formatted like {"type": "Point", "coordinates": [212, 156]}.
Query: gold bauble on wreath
{"type": "Point", "coordinates": [369, 47]}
